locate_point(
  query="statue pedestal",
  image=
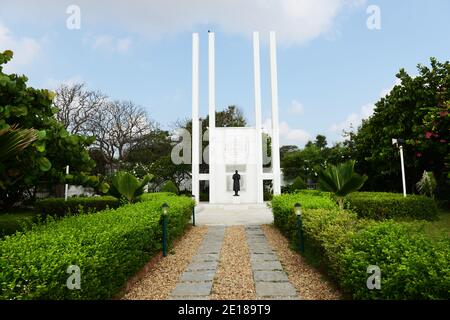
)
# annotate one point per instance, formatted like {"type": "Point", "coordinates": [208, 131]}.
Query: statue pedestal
{"type": "Point", "coordinates": [236, 200]}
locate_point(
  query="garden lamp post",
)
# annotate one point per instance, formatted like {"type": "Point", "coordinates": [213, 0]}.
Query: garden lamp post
{"type": "Point", "coordinates": [399, 144]}
{"type": "Point", "coordinates": [165, 210]}
{"type": "Point", "coordinates": [298, 213]}
{"type": "Point", "coordinates": [193, 211]}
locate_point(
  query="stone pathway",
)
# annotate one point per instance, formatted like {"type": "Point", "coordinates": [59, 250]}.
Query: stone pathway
{"type": "Point", "coordinates": [196, 282]}
{"type": "Point", "coordinates": [271, 282]}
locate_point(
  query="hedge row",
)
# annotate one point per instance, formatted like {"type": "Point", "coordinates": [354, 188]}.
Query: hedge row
{"type": "Point", "coordinates": [381, 205]}
{"type": "Point", "coordinates": [108, 248]}
{"type": "Point", "coordinates": [412, 266]}
{"type": "Point", "coordinates": [283, 207]}
{"type": "Point", "coordinates": [59, 207]}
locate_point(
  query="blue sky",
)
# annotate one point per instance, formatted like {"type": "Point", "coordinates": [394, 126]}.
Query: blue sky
{"type": "Point", "coordinates": [331, 67]}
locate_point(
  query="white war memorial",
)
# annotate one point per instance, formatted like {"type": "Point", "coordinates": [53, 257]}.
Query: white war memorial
{"type": "Point", "coordinates": [232, 149]}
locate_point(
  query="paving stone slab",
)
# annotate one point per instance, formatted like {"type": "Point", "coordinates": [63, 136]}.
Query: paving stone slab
{"type": "Point", "coordinates": [206, 265]}
{"type": "Point", "coordinates": [270, 276]}
{"type": "Point", "coordinates": [202, 257]}
{"type": "Point", "coordinates": [198, 276]}
{"type": "Point", "coordinates": [184, 298]}
{"type": "Point", "coordinates": [192, 289]}
{"type": "Point", "coordinates": [275, 289]}
{"type": "Point", "coordinates": [260, 257]}
{"type": "Point", "coordinates": [267, 266]}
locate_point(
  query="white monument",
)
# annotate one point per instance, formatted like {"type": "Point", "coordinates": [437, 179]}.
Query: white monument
{"type": "Point", "coordinates": [233, 149]}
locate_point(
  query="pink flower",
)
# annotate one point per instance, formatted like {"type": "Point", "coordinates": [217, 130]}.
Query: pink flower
{"type": "Point", "coordinates": [428, 134]}
{"type": "Point", "coordinates": [443, 141]}
{"type": "Point", "coordinates": [418, 154]}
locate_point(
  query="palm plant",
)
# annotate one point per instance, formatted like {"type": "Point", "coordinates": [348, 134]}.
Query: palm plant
{"type": "Point", "coordinates": [427, 184]}
{"type": "Point", "coordinates": [127, 187]}
{"type": "Point", "coordinates": [341, 180]}
{"type": "Point", "coordinates": [13, 141]}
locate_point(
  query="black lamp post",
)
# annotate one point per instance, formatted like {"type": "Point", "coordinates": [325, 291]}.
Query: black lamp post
{"type": "Point", "coordinates": [165, 210]}
{"type": "Point", "coordinates": [298, 213]}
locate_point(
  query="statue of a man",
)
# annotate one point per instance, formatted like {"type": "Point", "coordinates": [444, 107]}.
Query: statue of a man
{"type": "Point", "coordinates": [236, 185]}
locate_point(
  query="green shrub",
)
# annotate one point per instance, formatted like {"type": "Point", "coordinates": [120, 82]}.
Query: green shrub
{"type": "Point", "coordinates": [169, 186]}
{"type": "Point", "coordinates": [381, 205]}
{"type": "Point", "coordinates": [298, 184]}
{"type": "Point", "coordinates": [412, 266]}
{"type": "Point", "coordinates": [109, 248]}
{"type": "Point", "coordinates": [59, 207]}
{"type": "Point", "coordinates": [283, 207]}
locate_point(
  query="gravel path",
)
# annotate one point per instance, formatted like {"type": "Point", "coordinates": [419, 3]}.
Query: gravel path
{"type": "Point", "coordinates": [160, 280]}
{"type": "Point", "coordinates": [234, 277]}
{"type": "Point", "coordinates": [309, 283]}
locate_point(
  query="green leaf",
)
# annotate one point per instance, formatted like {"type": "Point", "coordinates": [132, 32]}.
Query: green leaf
{"type": "Point", "coordinates": [44, 164]}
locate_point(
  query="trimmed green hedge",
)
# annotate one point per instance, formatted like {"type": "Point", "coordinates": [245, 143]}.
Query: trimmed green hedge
{"type": "Point", "coordinates": [109, 248]}
{"type": "Point", "coordinates": [283, 207]}
{"type": "Point", "coordinates": [381, 205]}
{"type": "Point", "coordinates": [412, 265]}
{"type": "Point", "coordinates": [59, 207]}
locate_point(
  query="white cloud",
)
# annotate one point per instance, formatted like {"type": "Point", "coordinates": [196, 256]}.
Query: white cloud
{"type": "Point", "coordinates": [354, 120]}
{"type": "Point", "coordinates": [25, 49]}
{"type": "Point", "coordinates": [109, 43]}
{"type": "Point", "coordinates": [296, 21]}
{"type": "Point", "coordinates": [288, 135]}
{"type": "Point", "coordinates": [296, 108]}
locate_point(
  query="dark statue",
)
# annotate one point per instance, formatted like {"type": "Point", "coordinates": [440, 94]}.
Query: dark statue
{"type": "Point", "coordinates": [236, 185]}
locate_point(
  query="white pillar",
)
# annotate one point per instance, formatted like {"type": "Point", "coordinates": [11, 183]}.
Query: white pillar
{"type": "Point", "coordinates": [195, 119]}
{"type": "Point", "coordinates": [275, 128]}
{"type": "Point", "coordinates": [258, 124]}
{"type": "Point", "coordinates": [66, 187]}
{"type": "Point", "coordinates": [403, 171]}
{"type": "Point", "coordinates": [212, 114]}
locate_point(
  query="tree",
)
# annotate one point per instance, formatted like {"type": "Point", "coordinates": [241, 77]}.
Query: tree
{"type": "Point", "coordinates": [148, 148]}
{"type": "Point", "coordinates": [416, 110]}
{"type": "Point", "coordinates": [45, 159]}
{"type": "Point", "coordinates": [321, 141]}
{"type": "Point", "coordinates": [341, 180]}
{"type": "Point", "coordinates": [76, 106]}
{"type": "Point", "coordinates": [117, 126]}
{"type": "Point", "coordinates": [287, 149]}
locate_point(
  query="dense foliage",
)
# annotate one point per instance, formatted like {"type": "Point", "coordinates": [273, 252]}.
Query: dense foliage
{"type": "Point", "coordinates": [381, 205]}
{"type": "Point", "coordinates": [126, 187]}
{"type": "Point", "coordinates": [417, 110]}
{"type": "Point", "coordinates": [412, 265]}
{"type": "Point", "coordinates": [108, 247]}
{"type": "Point", "coordinates": [44, 161]}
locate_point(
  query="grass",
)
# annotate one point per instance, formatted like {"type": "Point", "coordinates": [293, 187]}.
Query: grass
{"type": "Point", "coordinates": [16, 220]}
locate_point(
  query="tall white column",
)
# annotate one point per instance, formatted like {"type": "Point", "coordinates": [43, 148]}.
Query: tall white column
{"type": "Point", "coordinates": [275, 127]}
{"type": "Point", "coordinates": [258, 124]}
{"type": "Point", "coordinates": [212, 115]}
{"type": "Point", "coordinates": [195, 119]}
